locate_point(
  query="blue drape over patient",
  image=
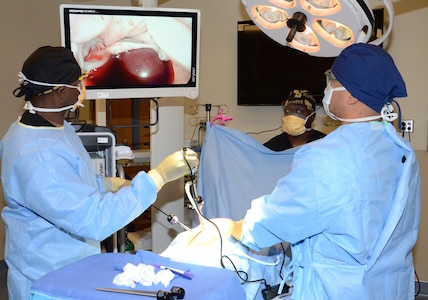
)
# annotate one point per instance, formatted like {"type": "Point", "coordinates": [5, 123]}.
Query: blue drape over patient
{"type": "Point", "coordinates": [235, 169]}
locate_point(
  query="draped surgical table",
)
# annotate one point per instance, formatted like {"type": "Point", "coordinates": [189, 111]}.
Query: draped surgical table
{"type": "Point", "coordinates": [79, 280]}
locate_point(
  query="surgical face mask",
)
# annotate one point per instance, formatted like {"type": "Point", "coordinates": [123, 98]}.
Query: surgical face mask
{"type": "Point", "coordinates": [295, 125]}
{"type": "Point", "coordinates": [29, 106]}
{"type": "Point", "coordinates": [386, 113]}
{"type": "Point", "coordinates": [328, 93]}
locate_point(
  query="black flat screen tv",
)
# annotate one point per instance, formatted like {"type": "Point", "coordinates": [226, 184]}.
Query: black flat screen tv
{"type": "Point", "coordinates": [268, 71]}
{"type": "Point", "coordinates": [134, 52]}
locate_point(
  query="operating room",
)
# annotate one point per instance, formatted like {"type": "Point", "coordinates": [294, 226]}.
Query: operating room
{"type": "Point", "coordinates": [28, 25]}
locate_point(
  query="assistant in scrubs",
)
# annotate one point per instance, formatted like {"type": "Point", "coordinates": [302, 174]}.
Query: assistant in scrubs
{"type": "Point", "coordinates": [299, 114]}
{"type": "Point", "coordinates": [350, 204]}
{"type": "Point", "coordinates": [57, 209]}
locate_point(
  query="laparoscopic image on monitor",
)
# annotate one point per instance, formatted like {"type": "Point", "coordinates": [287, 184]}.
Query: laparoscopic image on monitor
{"type": "Point", "coordinates": [134, 52]}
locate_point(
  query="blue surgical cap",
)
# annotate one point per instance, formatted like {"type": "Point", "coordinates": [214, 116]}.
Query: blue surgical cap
{"type": "Point", "coordinates": [369, 73]}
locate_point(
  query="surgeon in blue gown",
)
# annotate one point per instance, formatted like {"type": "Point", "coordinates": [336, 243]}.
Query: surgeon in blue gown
{"type": "Point", "coordinates": [57, 209]}
{"type": "Point", "coordinates": [350, 204]}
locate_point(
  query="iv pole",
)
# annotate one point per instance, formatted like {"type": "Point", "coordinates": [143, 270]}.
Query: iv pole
{"type": "Point", "coordinates": [164, 140]}
{"type": "Point", "coordinates": [119, 238]}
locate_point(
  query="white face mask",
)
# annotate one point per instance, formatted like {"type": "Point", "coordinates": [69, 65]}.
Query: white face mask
{"type": "Point", "coordinates": [328, 93]}
{"type": "Point", "coordinates": [386, 113]}
{"type": "Point", "coordinates": [32, 109]}
{"type": "Point", "coordinates": [295, 125]}
{"type": "Point", "coordinates": [29, 106]}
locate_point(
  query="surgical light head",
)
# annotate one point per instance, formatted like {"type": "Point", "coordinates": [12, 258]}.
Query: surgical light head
{"type": "Point", "coordinates": [318, 27]}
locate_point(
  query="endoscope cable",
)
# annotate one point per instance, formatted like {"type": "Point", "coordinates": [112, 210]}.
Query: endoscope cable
{"type": "Point", "coordinates": [195, 200]}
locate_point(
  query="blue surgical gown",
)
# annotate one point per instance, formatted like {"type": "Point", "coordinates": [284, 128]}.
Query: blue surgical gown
{"type": "Point", "coordinates": [56, 210]}
{"type": "Point", "coordinates": [350, 207]}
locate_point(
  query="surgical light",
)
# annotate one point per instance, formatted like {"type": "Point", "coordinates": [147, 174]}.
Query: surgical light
{"type": "Point", "coordinates": [318, 27]}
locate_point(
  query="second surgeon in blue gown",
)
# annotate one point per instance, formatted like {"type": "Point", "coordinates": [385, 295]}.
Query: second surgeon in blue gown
{"type": "Point", "coordinates": [350, 204]}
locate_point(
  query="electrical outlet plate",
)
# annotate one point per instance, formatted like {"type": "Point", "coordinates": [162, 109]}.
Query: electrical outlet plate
{"type": "Point", "coordinates": [407, 126]}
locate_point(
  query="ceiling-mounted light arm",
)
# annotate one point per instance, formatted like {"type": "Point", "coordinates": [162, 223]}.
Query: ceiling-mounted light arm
{"type": "Point", "coordinates": [390, 9]}
{"type": "Point", "coordinates": [296, 24]}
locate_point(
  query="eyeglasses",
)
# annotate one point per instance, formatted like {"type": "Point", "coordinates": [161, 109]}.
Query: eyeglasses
{"type": "Point", "coordinates": [81, 80]}
{"type": "Point", "coordinates": [329, 76]}
{"type": "Point", "coordinates": [79, 86]}
{"type": "Point", "coordinates": [294, 109]}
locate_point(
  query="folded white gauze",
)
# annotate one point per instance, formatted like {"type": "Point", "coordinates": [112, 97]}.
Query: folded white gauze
{"type": "Point", "coordinates": [164, 277]}
{"type": "Point", "coordinates": [142, 274]}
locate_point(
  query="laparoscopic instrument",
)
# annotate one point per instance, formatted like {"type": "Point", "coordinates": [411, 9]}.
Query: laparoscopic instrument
{"type": "Point", "coordinates": [175, 293]}
{"type": "Point", "coordinates": [190, 188]}
{"type": "Point", "coordinates": [173, 219]}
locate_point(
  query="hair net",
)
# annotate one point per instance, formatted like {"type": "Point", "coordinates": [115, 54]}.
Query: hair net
{"type": "Point", "coordinates": [301, 98]}
{"type": "Point", "coordinates": [48, 65]}
{"type": "Point", "coordinates": [369, 73]}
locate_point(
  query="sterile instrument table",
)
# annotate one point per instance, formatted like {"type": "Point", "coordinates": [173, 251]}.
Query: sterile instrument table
{"type": "Point", "coordinates": [79, 280]}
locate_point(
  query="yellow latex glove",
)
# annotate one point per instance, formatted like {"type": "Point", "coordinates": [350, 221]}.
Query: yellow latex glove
{"type": "Point", "coordinates": [113, 184]}
{"type": "Point", "coordinates": [237, 230]}
{"type": "Point", "coordinates": [173, 167]}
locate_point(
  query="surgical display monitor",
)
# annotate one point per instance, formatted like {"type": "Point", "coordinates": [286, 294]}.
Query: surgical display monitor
{"type": "Point", "coordinates": [134, 52]}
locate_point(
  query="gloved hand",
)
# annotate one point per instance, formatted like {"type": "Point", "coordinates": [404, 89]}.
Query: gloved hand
{"type": "Point", "coordinates": [237, 230]}
{"type": "Point", "coordinates": [173, 167]}
{"type": "Point", "coordinates": [113, 184]}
